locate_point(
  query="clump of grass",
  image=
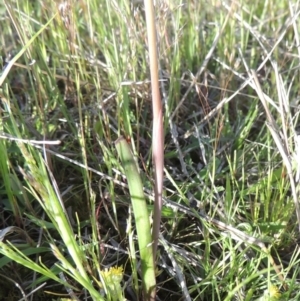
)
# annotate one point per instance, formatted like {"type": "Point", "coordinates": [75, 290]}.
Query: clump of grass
{"type": "Point", "coordinates": [75, 77]}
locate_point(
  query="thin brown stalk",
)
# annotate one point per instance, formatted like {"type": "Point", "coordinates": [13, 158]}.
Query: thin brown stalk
{"type": "Point", "coordinates": [157, 133]}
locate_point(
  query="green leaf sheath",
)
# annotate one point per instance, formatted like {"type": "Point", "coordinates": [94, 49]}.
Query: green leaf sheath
{"type": "Point", "coordinates": [140, 213]}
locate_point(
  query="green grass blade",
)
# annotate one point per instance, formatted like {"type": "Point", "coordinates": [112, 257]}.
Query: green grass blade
{"type": "Point", "coordinates": [140, 213]}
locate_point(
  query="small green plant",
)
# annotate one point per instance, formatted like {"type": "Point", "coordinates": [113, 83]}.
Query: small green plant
{"type": "Point", "coordinates": [112, 278]}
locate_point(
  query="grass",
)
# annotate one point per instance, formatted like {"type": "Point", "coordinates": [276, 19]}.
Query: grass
{"type": "Point", "coordinates": [75, 77]}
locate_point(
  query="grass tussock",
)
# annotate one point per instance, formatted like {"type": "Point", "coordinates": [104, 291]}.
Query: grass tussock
{"type": "Point", "coordinates": [75, 77]}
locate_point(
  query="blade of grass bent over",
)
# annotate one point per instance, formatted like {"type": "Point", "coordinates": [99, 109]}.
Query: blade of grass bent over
{"type": "Point", "coordinates": [140, 214]}
{"type": "Point", "coordinates": [19, 54]}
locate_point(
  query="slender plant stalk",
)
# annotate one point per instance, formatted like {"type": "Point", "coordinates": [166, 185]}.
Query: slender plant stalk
{"type": "Point", "coordinates": [157, 131]}
{"type": "Point", "coordinates": [141, 216]}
